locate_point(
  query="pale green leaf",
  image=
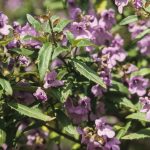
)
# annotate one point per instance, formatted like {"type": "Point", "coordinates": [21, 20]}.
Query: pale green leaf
{"type": "Point", "coordinates": [124, 130]}
{"type": "Point", "coordinates": [144, 133]}
{"type": "Point", "coordinates": [2, 137]}
{"type": "Point", "coordinates": [36, 24]}
{"type": "Point", "coordinates": [138, 116]}
{"type": "Point", "coordinates": [6, 86]}
{"type": "Point", "coordinates": [141, 72]}
{"type": "Point", "coordinates": [129, 19]}
{"type": "Point", "coordinates": [58, 51]}
{"type": "Point", "coordinates": [44, 58]}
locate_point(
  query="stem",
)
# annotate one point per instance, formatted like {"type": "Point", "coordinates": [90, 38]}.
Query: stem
{"type": "Point", "coordinates": [63, 134]}
{"type": "Point", "coordinates": [53, 34]}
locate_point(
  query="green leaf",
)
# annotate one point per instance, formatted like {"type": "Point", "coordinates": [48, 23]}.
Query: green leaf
{"type": "Point", "coordinates": [141, 72]}
{"type": "Point", "coordinates": [58, 51]}
{"type": "Point", "coordinates": [63, 119]}
{"type": "Point", "coordinates": [30, 112]}
{"type": "Point", "coordinates": [6, 86]}
{"type": "Point", "coordinates": [129, 20]}
{"type": "Point", "coordinates": [124, 130]}
{"type": "Point", "coordinates": [144, 133]}
{"type": "Point", "coordinates": [119, 87]}
{"type": "Point", "coordinates": [82, 43]}
{"type": "Point", "coordinates": [138, 116]}
{"type": "Point", "coordinates": [44, 58]}
{"type": "Point", "coordinates": [88, 72]}
{"type": "Point", "coordinates": [66, 92]}
{"type": "Point", "coordinates": [127, 103]}
{"type": "Point", "coordinates": [36, 24]}
{"type": "Point", "coordinates": [142, 34]}
{"type": "Point", "coordinates": [71, 130]}
{"type": "Point", "coordinates": [61, 25]}
{"type": "Point", "coordinates": [2, 137]}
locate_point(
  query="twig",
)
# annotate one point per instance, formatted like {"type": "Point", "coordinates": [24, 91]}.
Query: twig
{"type": "Point", "coordinates": [63, 134]}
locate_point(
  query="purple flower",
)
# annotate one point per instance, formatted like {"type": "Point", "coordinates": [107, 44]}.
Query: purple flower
{"type": "Point", "coordinates": [100, 137]}
{"type": "Point", "coordinates": [129, 68]}
{"type": "Point", "coordinates": [144, 45]}
{"type": "Point", "coordinates": [107, 19]}
{"type": "Point", "coordinates": [112, 144]}
{"type": "Point", "coordinates": [115, 52]}
{"type": "Point", "coordinates": [145, 101]}
{"type": "Point", "coordinates": [100, 32]}
{"type": "Point", "coordinates": [4, 27]}
{"type": "Point", "coordinates": [138, 4]}
{"type": "Point", "coordinates": [12, 5]}
{"type": "Point", "coordinates": [103, 128]}
{"type": "Point", "coordinates": [79, 30]}
{"type": "Point", "coordinates": [23, 60]}
{"type": "Point", "coordinates": [137, 28]}
{"type": "Point", "coordinates": [51, 81]}
{"type": "Point", "coordinates": [40, 94]}
{"type": "Point", "coordinates": [121, 4]}
{"type": "Point", "coordinates": [97, 90]}
{"type": "Point", "coordinates": [56, 63]}
{"type": "Point", "coordinates": [79, 112]}
{"type": "Point", "coordinates": [138, 85]}
{"type": "Point", "coordinates": [24, 97]}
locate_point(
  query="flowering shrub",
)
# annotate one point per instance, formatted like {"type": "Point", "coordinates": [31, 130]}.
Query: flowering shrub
{"type": "Point", "coordinates": [76, 78]}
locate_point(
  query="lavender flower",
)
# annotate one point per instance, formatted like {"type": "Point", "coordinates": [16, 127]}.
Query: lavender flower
{"type": "Point", "coordinates": [103, 128]}
{"type": "Point", "coordinates": [97, 90]}
{"type": "Point", "coordinates": [144, 45]}
{"type": "Point", "coordinates": [138, 4]}
{"type": "Point", "coordinates": [79, 30]}
{"type": "Point", "coordinates": [145, 101]}
{"type": "Point", "coordinates": [51, 81]}
{"type": "Point", "coordinates": [40, 94]}
{"type": "Point", "coordinates": [121, 4]}
{"type": "Point", "coordinates": [101, 137]}
{"type": "Point", "coordinates": [107, 19]}
{"type": "Point", "coordinates": [137, 28]}
{"type": "Point", "coordinates": [115, 52]}
{"type": "Point", "coordinates": [23, 60]}
{"type": "Point", "coordinates": [138, 85]}
{"type": "Point", "coordinates": [4, 27]}
{"type": "Point", "coordinates": [80, 112]}
{"type": "Point", "coordinates": [112, 144]}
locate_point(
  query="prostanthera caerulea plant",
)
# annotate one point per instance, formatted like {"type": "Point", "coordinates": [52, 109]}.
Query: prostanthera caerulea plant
{"type": "Point", "coordinates": [77, 79]}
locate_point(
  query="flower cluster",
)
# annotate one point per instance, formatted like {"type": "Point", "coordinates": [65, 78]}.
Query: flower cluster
{"type": "Point", "coordinates": [102, 136]}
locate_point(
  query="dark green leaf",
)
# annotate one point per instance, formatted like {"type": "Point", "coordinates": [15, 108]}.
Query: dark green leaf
{"type": "Point", "coordinates": [88, 72]}
{"type": "Point", "coordinates": [30, 112]}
